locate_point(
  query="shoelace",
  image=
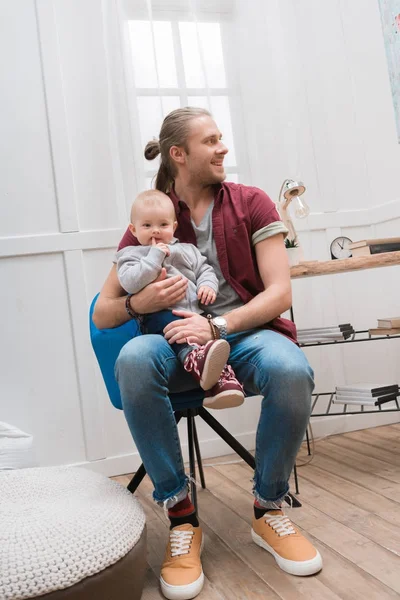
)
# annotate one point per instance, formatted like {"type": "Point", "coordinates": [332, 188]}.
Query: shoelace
{"type": "Point", "coordinates": [280, 523]}
{"type": "Point", "coordinates": [228, 374]}
{"type": "Point", "coordinates": [180, 542]}
{"type": "Point", "coordinates": [190, 363]}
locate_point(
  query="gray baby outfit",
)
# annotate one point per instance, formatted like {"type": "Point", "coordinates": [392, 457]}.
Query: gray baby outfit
{"type": "Point", "coordinates": [137, 266]}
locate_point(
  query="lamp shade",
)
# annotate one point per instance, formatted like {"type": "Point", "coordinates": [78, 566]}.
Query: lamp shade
{"type": "Point", "coordinates": [293, 188]}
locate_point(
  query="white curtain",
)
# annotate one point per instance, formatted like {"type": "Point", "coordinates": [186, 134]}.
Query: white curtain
{"type": "Point", "coordinates": [218, 55]}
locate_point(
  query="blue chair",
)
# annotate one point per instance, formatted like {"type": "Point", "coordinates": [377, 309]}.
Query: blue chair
{"type": "Point", "coordinates": [107, 344]}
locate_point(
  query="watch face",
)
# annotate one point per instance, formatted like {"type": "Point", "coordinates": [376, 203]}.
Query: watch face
{"type": "Point", "coordinates": [340, 247]}
{"type": "Point", "coordinates": [220, 321]}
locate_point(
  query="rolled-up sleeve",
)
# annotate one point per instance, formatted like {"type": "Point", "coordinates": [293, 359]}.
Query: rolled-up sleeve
{"type": "Point", "coordinates": [264, 216]}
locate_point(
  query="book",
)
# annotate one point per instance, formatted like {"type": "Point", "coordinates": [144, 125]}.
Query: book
{"type": "Point", "coordinates": [368, 387]}
{"type": "Point", "coordinates": [395, 240]}
{"type": "Point", "coordinates": [375, 249]}
{"type": "Point", "coordinates": [333, 329]}
{"type": "Point", "coordinates": [366, 401]}
{"type": "Point", "coordinates": [389, 322]}
{"type": "Point", "coordinates": [384, 331]}
{"type": "Point", "coordinates": [333, 334]}
{"type": "Point", "coordinates": [369, 395]}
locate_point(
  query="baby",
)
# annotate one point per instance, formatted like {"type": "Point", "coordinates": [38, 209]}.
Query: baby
{"type": "Point", "coordinates": [153, 223]}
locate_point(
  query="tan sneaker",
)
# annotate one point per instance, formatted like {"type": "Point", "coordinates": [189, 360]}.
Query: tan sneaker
{"type": "Point", "coordinates": [292, 551]}
{"type": "Point", "coordinates": [182, 575]}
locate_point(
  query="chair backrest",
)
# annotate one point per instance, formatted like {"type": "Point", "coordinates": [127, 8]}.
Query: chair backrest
{"type": "Point", "coordinates": [107, 344]}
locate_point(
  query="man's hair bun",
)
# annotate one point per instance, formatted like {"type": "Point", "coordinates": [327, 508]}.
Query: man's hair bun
{"type": "Point", "coordinates": [152, 149]}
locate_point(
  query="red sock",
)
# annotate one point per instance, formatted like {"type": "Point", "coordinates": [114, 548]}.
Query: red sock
{"type": "Point", "coordinates": [183, 512]}
{"type": "Point", "coordinates": [183, 508]}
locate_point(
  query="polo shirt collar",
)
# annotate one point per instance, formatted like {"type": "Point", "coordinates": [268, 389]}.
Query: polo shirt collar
{"type": "Point", "coordinates": [218, 193]}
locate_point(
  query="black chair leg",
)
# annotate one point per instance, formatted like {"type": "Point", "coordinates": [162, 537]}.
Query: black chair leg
{"type": "Point", "coordinates": [192, 463]}
{"type": "Point", "coordinates": [239, 449]}
{"type": "Point", "coordinates": [308, 443]}
{"type": "Point", "coordinates": [198, 456]}
{"type": "Point", "coordinates": [137, 479]}
{"type": "Point", "coordinates": [296, 481]}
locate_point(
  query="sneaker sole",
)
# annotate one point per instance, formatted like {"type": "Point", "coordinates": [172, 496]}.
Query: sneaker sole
{"type": "Point", "coordinates": [215, 362]}
{"type": "Point", "coordinates": [183, 592]}
{"type": "Point", "coordinates": [293, 567]}
{"type": "Point", "coordinates": [228, 399]}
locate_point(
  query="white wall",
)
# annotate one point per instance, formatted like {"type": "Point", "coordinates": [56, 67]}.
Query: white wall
{"type": "Point", "coordinates": [67, 177]}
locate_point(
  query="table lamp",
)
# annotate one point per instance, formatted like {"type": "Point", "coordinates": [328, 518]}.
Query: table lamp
{"type": "Point", "coordinates": [290, 192]}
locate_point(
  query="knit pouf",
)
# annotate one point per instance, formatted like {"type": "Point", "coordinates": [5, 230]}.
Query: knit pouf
{"type": "Point", "coordinates": [69, 533]}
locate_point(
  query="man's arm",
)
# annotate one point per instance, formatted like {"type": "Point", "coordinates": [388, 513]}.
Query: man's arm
{"type": "Point", "coordinates": [274, 270]}
{"type": "Point", "coordinates": [110, 309]}
{"type": "Point", "coordinates": [135, 272]}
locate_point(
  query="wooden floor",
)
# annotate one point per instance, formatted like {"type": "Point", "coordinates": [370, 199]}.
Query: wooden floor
{"type": "Point", "coordinates": [351, 511]}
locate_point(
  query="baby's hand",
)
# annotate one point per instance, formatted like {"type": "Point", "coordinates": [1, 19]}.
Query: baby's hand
{"type": "Point", "coordinates": [162, 246]}
{"type": "Point", "coordinates": [206, 295]}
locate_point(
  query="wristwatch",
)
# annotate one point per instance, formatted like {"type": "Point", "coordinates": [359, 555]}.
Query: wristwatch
{"type": "Point", "coordinates": [222, 326]}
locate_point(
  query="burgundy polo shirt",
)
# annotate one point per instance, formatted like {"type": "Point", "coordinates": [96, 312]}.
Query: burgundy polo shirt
{"type": "Point", "coordinates": [239, 212]}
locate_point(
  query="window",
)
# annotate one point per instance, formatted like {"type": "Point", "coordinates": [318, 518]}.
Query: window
{"type": "Point", "coordinates": [178, 63]}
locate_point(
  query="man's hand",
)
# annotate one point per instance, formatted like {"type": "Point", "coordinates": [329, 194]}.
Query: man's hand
{"type": "Point", "coordinates": [162, 247]}
{"type": "Point", "coordinates": [160, 294]}
{"type": "Point", "coordinates": [206, 295]}
{"type": "Point", "coordinates": [193, 328]}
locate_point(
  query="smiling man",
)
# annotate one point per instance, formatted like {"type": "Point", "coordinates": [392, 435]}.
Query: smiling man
{"type": "Point", "coordinates": [239, 231]}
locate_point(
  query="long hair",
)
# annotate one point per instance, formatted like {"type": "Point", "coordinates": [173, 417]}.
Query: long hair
{"type": "Point", "coordinates": [174, 132]}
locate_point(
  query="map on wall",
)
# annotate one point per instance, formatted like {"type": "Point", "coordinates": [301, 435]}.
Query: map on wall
{"type": "Point", "coordinates": [390, 17]}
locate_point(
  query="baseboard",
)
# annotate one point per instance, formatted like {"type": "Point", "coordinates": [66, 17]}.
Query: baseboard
{"type": "Point", "coordinates": [128, 463]}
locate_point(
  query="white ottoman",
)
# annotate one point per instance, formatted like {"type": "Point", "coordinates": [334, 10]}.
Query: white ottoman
{"type": "Point", "coordinates": [69, 533]}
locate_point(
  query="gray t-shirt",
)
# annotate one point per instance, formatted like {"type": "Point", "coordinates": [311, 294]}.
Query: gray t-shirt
{"type": "Point", "coordinates": [227, 298]}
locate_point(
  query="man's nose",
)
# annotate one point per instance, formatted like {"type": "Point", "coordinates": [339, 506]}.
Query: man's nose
{"type": "Point", "coordinates": [222, 149]}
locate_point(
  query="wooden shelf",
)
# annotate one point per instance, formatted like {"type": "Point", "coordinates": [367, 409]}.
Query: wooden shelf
{"type": "Point", "coordinates": [345, 265]}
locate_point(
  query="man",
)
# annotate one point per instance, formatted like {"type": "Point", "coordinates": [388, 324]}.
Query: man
{"type": "Point", "coordinates": [239, 231]}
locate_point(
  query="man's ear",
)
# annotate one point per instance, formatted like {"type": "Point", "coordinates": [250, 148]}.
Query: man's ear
{"type": "Point", "coordinates": [132, 229]}
{"type": "Point", "coordinates": [177, 154]}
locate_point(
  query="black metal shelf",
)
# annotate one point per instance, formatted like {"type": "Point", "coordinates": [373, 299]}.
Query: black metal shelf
{"type": "Point", "coordinates": [357, 336]}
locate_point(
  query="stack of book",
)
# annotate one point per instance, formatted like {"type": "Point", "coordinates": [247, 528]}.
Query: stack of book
{"type": "Point", "coordinates": [367, 247]}
{"type": "Point", "coordinates": [387, 326]}
{"type": "Point", "coordinates": [325, 334]}
{"type": "Point", "coordinates": [370, 394]}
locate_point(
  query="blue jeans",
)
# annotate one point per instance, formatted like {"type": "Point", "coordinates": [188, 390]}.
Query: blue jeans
{"type": "Point", "coordinates": [265, 362]}
{"type": "Point", "coordinates": [155, 323]}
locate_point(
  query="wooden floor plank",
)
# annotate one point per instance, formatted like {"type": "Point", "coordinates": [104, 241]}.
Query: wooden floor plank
{"type": "Point", "coordinates": [365, 522]}
{"type": "Point", "coordinates": [366, 499]}
{"type": "Point", "coordinates": [367, 480]}
{"type": "Point", "coordinates": [322, 528]}
{"type": "Point", "coordinates": [368, 436]}
{"type": "Point", "coordinates": [346, 581]}
{"type": "Point", "coordinates": [366, 449]}
{"type": "Point", "coordinates": [360, 461]}
{"type": "Point", "coordinates": [351, 495]}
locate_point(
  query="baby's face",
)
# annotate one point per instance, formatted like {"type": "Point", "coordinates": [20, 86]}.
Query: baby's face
{"type": "Point", "coordinates": [154, 222]}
